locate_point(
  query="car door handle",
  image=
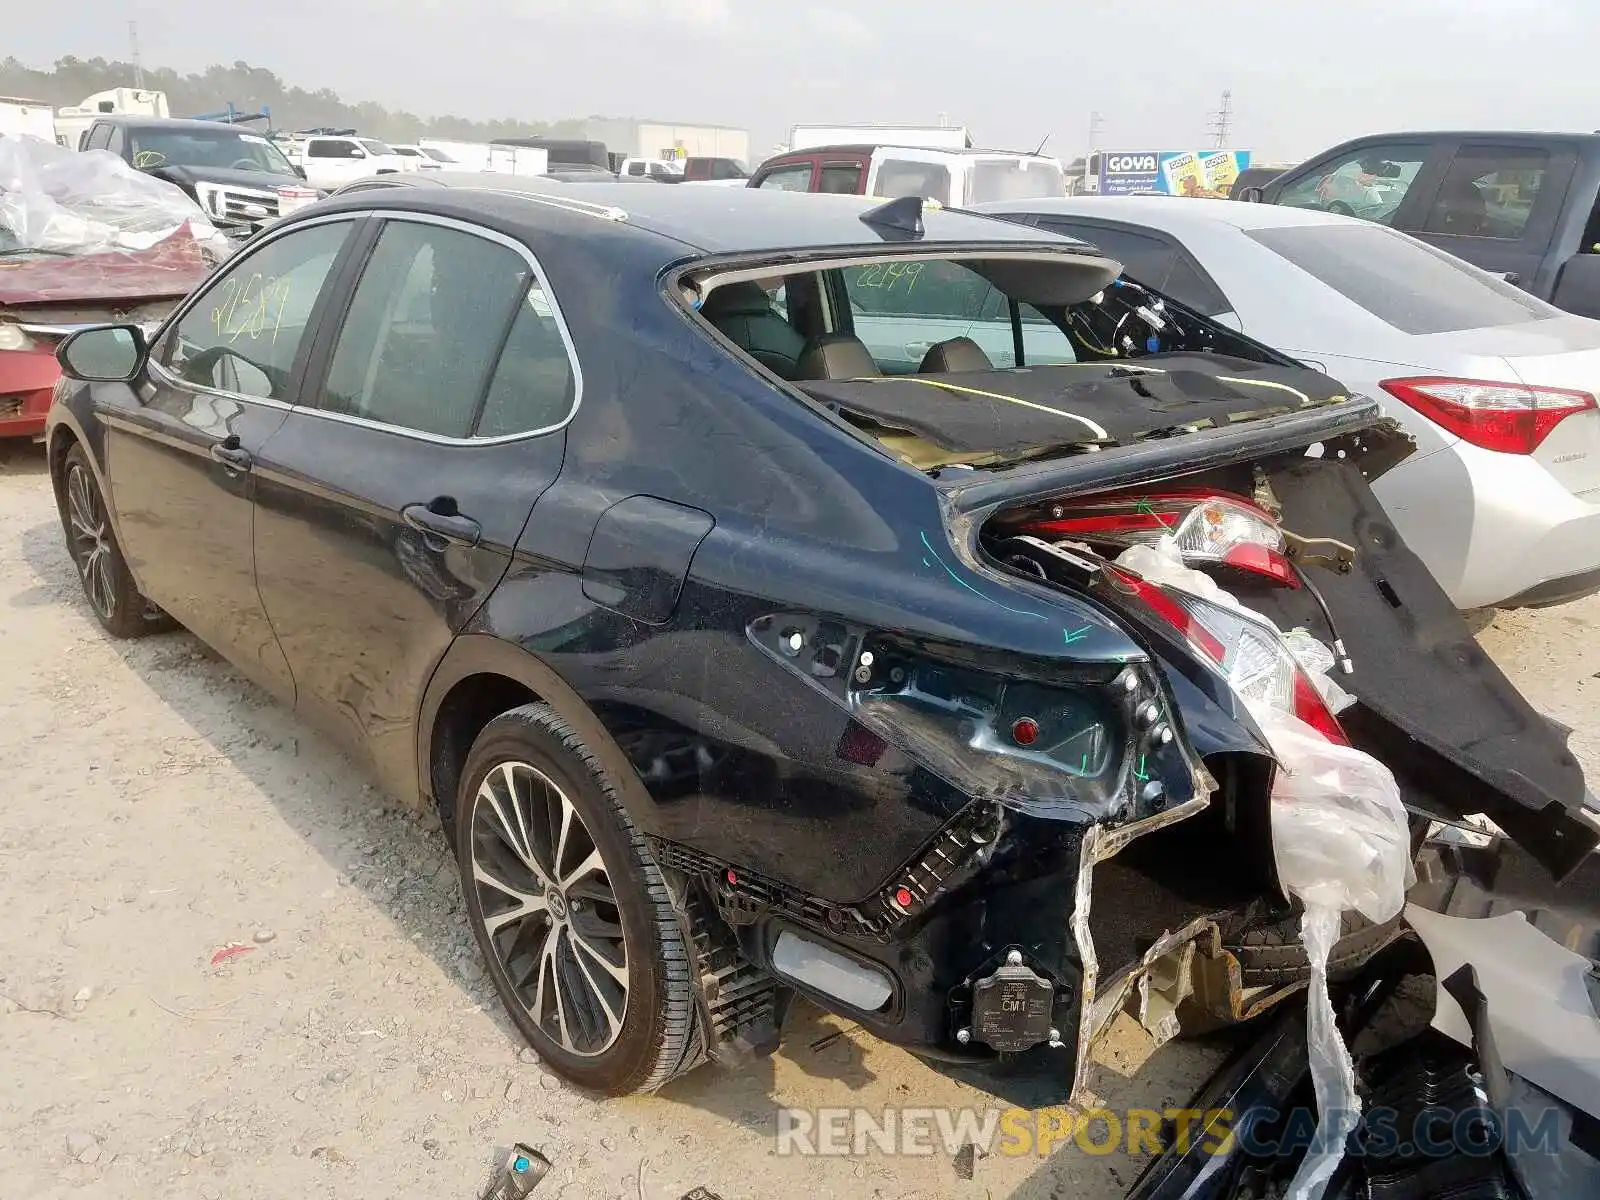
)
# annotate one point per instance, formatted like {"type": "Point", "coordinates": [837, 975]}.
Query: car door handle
{"type": "Point", "coordinates": [441, 519]}
{"type": "Point", "coordinates": [231, 456]}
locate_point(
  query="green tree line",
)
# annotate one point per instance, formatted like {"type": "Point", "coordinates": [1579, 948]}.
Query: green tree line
{"type": "Point", "coordinates": [252, 88]}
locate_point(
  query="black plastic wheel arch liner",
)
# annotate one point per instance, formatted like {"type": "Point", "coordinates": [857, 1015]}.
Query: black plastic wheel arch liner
{"type": "Point", "coordinates": [1433, 707]}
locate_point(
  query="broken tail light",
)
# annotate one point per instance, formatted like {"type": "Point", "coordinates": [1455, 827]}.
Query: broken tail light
{"type": "Point", "coordinates": [1507, 417]}
{"type": "Point", "coordinates": [1057, 739]}
{"type": "Point", "coordinates": [1209, 529]}
{"type": "Point", "coordinates": [1247, 649]}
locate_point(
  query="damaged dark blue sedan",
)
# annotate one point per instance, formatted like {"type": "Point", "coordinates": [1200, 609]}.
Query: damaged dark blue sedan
{"type": "Point", "coordinates": [734, 573]}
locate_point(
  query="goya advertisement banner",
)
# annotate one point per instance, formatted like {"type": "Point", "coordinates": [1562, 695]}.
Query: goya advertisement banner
{"type": "Point", "coordinates": [1171, 172]}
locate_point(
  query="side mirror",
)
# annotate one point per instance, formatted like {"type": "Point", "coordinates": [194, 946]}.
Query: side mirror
{"type": "Point", "coordinates": [298, 170]}
{"type": "Point", "coordinates": [357, 152]}
{"type": "Point", "coordinates": [104, 354]}
{"type": "Point", "coordinates": [1251, 195]}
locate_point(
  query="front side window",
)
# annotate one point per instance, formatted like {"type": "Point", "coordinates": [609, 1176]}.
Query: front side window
{"type": "Point", "coordinates": [246, 331]}
{"type": "Point", "coordinates": [793, 178]}
{"type": "Point", "coordinates": [1489, 192]}
{"type": "Point", "coordinates": [425, 326]}
{"type": "Point", "coordinates": [897, 177]}
{"type": "Point", "coordinates": [373, 146]}
{"type": "Point", "coordinates": [1369, 183]}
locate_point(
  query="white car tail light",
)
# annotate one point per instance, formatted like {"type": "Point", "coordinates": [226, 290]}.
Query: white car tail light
{"type": "Point", "coordinates": [1507, 417]}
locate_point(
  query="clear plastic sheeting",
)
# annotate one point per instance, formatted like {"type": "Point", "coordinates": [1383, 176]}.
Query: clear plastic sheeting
{"type": "Point", "coordinates": [1318, 662]}
{"type": "Point", "coordinates": [59, 201]}
{"type": "Point", "coordinates": [1340, 838]}
{"type": "Point", "coordinates": [1340, 841]}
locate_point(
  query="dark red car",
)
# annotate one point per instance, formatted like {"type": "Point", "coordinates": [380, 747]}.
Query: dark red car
{"type": "Point", "coordinates": [45, 296]}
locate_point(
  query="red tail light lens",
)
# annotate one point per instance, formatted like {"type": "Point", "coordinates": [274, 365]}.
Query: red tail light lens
{"type": "Point", "coordinates": [1247, 649]}
{"type": "Point", "coordinates": [1209, 529]}
{"type": "Point", "coordinates": [1494, 416]}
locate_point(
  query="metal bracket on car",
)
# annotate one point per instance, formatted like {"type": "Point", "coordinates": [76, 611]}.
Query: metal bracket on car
{"type": "Point", "coordinates": [1320, 552]}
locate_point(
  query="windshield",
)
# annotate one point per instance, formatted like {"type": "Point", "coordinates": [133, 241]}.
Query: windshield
{"type": "Point", "coordinates": [1402, 282]}
{"type": "Point", "coordinates": [224, 147]}
{"type": "Point", "coordinates": [374, 146]}
{"type": "Point", "coordinates": [1016, 179]}
{"type": "Point", "coordinates": [437, 155]}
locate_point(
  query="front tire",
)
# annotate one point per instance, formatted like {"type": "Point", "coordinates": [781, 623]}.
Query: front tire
{"type": "Point", "coordinates": [107, 583]}
{"type": "Point", "coordinates": [569, 911]}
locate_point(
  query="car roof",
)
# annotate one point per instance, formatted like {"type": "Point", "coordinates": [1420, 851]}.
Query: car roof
{"type": "Point", "coordinates": [1173, 214]}
{"type": "Point", "coordinates": [869, 147]}
{"type": "Point", "coordinates": [170, 122]}
{"type": "Point", "coordinates": [717, 220]}
{"type": "Point", "coordinates": [1470, 135]}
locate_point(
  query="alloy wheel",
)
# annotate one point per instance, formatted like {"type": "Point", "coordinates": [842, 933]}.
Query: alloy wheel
{"type": "Point", "coordinates": [91, 541]}
{"type": "Point", "coordinates": [548, 908]}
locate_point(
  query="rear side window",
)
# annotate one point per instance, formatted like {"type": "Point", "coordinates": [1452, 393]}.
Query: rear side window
{"type": "Point", "coordinates": [1402, 282]}
{"type": "Point", "coordinates": [1489, 192]}
{"type": "Point", "coordinates": [534, 384]}
{"type": "Point", "coordinates": [425, 328]}
{"type": "Point", "coordinates": [898, 178]}
{"type": "Point", "coordinates": [1144, 259]}
{"type": "Point", "coordinates": [330, 148]}
{"type": "Point", "coordinates": [795, 178]}
{"type": "Point", "coordinates": [841, 178]}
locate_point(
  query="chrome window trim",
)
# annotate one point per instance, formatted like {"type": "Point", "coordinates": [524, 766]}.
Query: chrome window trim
{"type": "Point", "coordinates": [386, 216]}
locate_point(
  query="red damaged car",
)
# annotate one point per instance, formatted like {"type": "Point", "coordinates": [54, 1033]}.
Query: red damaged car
{"type": "Point", "coordinates": [84, 239]}
{"type": "Point", "coordinates": [44, 295]}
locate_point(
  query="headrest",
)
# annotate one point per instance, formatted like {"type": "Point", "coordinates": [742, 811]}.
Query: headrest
{"type": "Point", "coordinates": [835, 356]}
{"type": "Point", "coordinates": [744, 298]}
{"type": "Point", "coordinates": [957, 354]}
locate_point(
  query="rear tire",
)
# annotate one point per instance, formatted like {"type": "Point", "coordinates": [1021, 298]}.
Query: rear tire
{"type": "Point", "coordinates": [116, 602]}
{"type": "Point", "coordinates": [569, 910]}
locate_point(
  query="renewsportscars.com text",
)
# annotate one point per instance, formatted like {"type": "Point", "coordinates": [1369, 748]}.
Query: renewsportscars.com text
{"type": "Point", "coordinates": [857, 1132]}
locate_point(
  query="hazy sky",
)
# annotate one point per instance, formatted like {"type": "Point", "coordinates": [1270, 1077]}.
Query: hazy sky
{"type": "Point", "coordinates": [1154, 69]}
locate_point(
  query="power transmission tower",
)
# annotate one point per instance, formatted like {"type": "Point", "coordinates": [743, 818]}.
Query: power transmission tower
{"type": "Point", "coordinates": [133, 48]}
{"type": "Point", "coordinates": [1097, 125]}
{"type": "Point", "coordinates": [1221, 123]}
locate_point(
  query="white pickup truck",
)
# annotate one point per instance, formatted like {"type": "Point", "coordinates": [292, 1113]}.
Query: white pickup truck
{"type": "Point", "coordinates": [331, 162]}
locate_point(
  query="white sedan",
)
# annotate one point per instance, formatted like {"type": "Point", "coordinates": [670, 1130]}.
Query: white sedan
{"type": "Point", "coordinates": [1502, 497]}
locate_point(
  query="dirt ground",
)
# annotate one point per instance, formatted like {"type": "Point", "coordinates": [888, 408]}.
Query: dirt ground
{"type": "Point", "coordinates": [160, 809]}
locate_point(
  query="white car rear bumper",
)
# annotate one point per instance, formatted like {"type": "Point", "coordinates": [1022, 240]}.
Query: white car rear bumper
{"type": "Point", "coordinates": [1495, 529]}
